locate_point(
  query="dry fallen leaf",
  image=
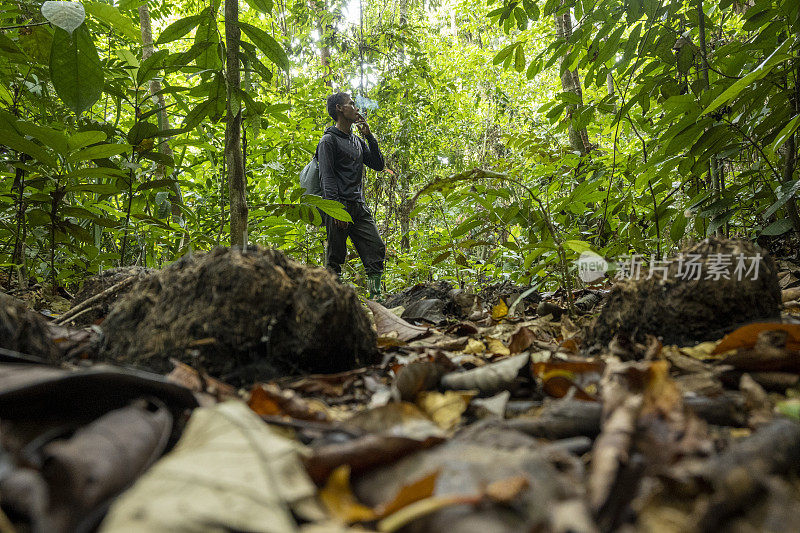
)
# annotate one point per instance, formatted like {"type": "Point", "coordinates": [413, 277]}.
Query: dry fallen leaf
{"type": "Point", "coordinates": [474, 346]}
{"type": "Point", "coordinates": [521, 340]}
{"type": "Point", "coordinates": [337, 495]}
{"type": "Point", "coordinates": [387, 322]}
{"type": "Point", "coordinates": [363, 453]}
{"type": "Point", "coordinates": [559, 376]}
{"type": "Point", "coordinates": [747, 336]}
{"type": "Point", "coordinates": [269, 399]}
{"type": "Point", "coordinates": [444, 408]}
{"type": "Point", "coordinates": [408, 494]}
{"type": "Point", "coordinates": [505, 490]}
{"type": "Point", "coordinates": [488, 379]}
{"type": "Point", "coordinates": [496, 347]}
{"type": "Point", "coordinates": [500, 310]}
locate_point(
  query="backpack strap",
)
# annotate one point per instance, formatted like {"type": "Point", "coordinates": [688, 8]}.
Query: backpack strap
{"type": "Point", "coordinates": [316, 151]}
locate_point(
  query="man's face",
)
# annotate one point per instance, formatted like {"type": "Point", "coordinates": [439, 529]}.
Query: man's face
{"type": "Point", "coordinates": [348, 109]}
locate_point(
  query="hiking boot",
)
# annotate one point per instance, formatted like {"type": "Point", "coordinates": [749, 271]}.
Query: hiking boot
{"type": "Point", "coordinates": [374, 286]}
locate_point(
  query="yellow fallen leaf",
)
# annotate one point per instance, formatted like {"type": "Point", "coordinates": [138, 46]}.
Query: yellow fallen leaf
{"type": "Point", "coordinates": [408, 494]}
{"type": "Point", "coordinates": [421, 508]}
{"type": "Point", "coordinates": [496, 346]}
{"type": "Point", "coordinates": [339, 499]}
{"type": "Point", "coordinates": [474, 346]}
{"type": "Point", "coordinates": [704, 350]}
{"type": "Point", "coordinates": [500, 310]}
{"type": "Point", "coordinates": [444, 408]}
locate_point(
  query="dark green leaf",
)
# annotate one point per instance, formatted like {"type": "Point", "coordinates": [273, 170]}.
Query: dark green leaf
{"type": "Point", "coordinates": [75, 69]}
{"type": "Point", "coordinates": [268, 46]}
{"type": "Point", "coordinates": [151, 66]}
{"type": "Point", "coordinates": [179, 28]}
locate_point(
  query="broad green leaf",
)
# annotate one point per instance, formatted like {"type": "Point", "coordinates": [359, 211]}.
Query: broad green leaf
{"type": "Point", "coordinates": [785, 133]}
{"type": "Point", "coordinates": [503, 54]}
{"type": "Point", "coordinates": [159, 158]}
{"type": "Point", "coordinates": [766, 66]}
{"type": "Point", "coordinates": [21, 144]}
{"type": "Point", "coordinates": [150, 66]}
{"type": "Point", "coordinates": [208, 32]}
{"type": "Point", "coordinates": [97, 172]}
{"type": "Point", "coordinates": [75, 69]}
{"type": "Point", "coordinates": [141, 131]}
{"type": "Point", "coordinates": [265, 6]}
{"type": "Point", "coordinates": [329, 207]}
{"type": "Point", "coordinates": [578, 246]}
{"type": "Point", "coordinates": [778, 228]}
{"type": "Point", "coordinates": [64, 15]}
{"type": "Point", "coordinates": [266, 44]}
{"type": "Point", "coordinates": [179, 28]}
{"type": "Point", "coordinates": [47, 136]}
{"type": "Point", "coordinates": [100, 151]}
{"type": "Point", "coordinates": [196, 115]}
{"type": "Point", "coordinates": [116, 20]}
{"type": "Point", "coordinates": [519, 58]}
{"type": "Point", "coordinates": [82, 139]}
{"type": "Point", "coordinates": [128, 57]}
{"type": "Point", "coordinates": [785, 192]}
{"type": "Point", "coordinates": [97, 188]}
{"type": "Point", "coordinates": [678, 228]}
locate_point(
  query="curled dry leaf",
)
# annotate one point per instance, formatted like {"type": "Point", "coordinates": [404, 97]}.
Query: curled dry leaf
{"type": "Point", "coordinates": [401, 419]}
{"type": "Point", "coordinates": [474, 346]}
{"type": "Point", "coordinates": [387, 323]}
{"type": "Point", "coordinates": [788, 295]}
{"type": "Point", "coordinates": [444, 408]}
{"type": "Point", "coordinates": [505, 490]}
{"type": "Point", "coordinates": [559, 376]}
{"type": "Point", "coordinates": [338, 498]}
{"type": "Point", "coordinates": [269, 399]}
{"type": "Point", "coordinates": [363, 454]}
{"type": "Point", "coordinates": [408, 494]}
{"type": "Point", "coordinates": [489, 379]}
{"type": "Point", "coordinates": [496, 346]}
{"type": "Point", "coordinates": [422, 508]}
{"type": "Point", "coordinates": [747, 336]}
{"type": "Point", "coordinates": [196, 381]}
{"type": "Point", "coordinates": [521, 340]}
{"type": "Point", "coordinates": [416, 377]}
{"type": "Point", "coordinates": [500, 310]}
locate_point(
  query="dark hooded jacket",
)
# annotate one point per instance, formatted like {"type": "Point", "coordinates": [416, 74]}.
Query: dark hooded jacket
{"type": "Point", "coordinates": [341, 163]}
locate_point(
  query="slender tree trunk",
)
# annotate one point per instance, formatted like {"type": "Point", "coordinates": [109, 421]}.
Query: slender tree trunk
{"type": "Point", "coordinates": [176, 197]}
{"type": "Point", "coordinates": [570, 82]}
{"type": "Point", "coordinates": [324, 49]}
{"type": "Point", "coordinates": [175, 193]}
{"type": "Point", "coordinates": [237, 181]}
{"type": "Point", "coordinates": [790, 162]}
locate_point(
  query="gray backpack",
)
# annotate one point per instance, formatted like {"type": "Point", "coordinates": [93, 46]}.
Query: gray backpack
{"type": "Point", "coordinates": [309, 176]}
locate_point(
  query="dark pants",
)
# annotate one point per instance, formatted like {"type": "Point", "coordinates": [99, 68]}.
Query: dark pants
{"type": "Point", "coordinates": [364, 234]}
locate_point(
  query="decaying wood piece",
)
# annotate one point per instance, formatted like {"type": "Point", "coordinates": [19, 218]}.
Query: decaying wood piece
{"type": "Point", "coordinates": [562, 419]}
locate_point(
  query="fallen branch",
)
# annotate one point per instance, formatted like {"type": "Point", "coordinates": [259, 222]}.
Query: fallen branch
{"type": "Point", "coordinates": [88, 303]}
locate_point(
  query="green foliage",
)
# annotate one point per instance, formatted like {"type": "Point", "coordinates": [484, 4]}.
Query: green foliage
{"type": "Point", "coordinates": [693, 138]}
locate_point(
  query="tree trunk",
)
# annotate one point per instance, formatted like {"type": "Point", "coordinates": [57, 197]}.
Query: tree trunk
{"type": "Point", "coordinates": [570, 82]}
{"type": "Point", "coordinates": [234, 157]}
{"type": "Point", "coordinates": [176, 197]}
{"type": "Point", "coordinates": [324, 49]}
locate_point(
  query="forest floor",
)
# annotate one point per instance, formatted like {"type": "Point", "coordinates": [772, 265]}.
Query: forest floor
{"type": "Point", "coordinates": [245, 392]}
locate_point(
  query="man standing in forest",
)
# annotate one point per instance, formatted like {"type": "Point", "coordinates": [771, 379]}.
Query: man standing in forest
{"type": "Point", "coordinates": [342, 156]}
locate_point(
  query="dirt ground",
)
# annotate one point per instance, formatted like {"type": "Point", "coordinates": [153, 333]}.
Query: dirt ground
{"type": "Point", "coordinates": [240, 316]}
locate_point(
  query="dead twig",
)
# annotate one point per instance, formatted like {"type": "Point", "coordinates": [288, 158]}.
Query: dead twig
{"type": "Point", "coordinates": [82, 307]}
